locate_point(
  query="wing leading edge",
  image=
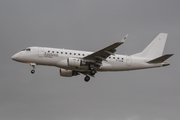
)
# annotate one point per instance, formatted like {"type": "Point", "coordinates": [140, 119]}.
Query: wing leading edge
{"type": "Point", "coordinates": [99, 56]}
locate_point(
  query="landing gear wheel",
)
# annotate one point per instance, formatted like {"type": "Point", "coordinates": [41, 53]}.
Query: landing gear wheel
{"type": "Point", "coordinates": [87, 78]}
{"type": "Point", "coordinates": [92, 72]}
{"type": "Point", "coordinates": [32, 71]}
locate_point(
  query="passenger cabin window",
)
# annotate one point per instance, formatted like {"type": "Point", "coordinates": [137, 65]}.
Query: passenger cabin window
{"type": "Point", "coordinates": [28, 49]}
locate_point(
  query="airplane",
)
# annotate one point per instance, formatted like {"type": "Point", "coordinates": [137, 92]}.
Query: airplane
{"type": "Point", "coordinates": [75, 62]}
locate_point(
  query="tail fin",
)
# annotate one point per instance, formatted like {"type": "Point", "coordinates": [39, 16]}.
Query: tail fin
{"type": "Point", "coordinates": [155, 48]}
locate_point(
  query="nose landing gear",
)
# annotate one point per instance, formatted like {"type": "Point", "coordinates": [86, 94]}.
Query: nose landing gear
{"type": "Point", "coordinates": [33, 70]}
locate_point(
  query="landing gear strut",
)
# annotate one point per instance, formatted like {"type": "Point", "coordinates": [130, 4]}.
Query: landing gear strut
{"type": "Point", "coordinates": [33, 70]}
{"type": "Point", "coordinates": [87, 78]}
{"type": "Point", "coordinates": [91, 68]}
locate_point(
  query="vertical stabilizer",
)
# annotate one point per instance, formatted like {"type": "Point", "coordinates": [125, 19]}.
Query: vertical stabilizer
{"type": "Point", "coordinates": [155, 48]}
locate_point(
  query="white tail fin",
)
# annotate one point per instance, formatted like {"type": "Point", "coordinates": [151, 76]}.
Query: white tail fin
{"type": "Point", "coordinates": [155, 48]}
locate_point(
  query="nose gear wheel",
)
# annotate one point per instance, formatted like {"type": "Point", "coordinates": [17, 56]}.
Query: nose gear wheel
{"type": "Point", "coordinates": [32, 71]}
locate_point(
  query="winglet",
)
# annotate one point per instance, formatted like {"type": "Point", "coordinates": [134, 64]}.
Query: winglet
{"type": "Point", "coordinates": [124, 39]}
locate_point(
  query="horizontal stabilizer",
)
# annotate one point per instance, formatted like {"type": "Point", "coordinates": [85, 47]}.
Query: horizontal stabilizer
{"type": "Point", "coordinates": [160, 59]}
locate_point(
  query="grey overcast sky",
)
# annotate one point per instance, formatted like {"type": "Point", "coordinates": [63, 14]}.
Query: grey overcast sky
{"type": "Point", "coordinates": [152, 94]}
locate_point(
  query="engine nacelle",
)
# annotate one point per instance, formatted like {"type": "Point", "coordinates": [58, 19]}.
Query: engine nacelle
{"type": "Point", "coordinates": [67, 73]}
{"type": "Point", "coordinates": [75, 62]}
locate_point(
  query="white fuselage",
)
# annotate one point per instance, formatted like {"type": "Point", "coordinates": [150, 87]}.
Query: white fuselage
{"type": "Point", "coordinates": [74, 62]}
{"type": "Point", "coordinates": [58, 57]}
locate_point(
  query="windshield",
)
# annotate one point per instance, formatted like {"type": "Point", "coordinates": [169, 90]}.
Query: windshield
{"type": "Point", "coordinates": [28, 49]}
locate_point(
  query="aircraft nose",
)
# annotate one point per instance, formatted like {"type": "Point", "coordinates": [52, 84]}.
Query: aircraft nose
{"type": "Point", "coordinates": [14, 57]}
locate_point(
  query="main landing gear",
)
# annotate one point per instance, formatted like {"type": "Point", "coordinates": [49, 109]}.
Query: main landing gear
{"type": "Point", "coordinates": [91, 68]}
{"type": "Point", "coordinates": [86, 79]}
{"type": "Point", "coordinates": [92, 73]}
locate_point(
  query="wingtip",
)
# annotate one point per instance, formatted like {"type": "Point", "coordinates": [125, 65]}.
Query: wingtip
{"type": "Point", "coordinates": [163, 33]}
{"type": "Point", "coordinates": [124, 39]}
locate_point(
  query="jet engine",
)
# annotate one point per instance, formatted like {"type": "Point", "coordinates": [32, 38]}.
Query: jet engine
{"type": "Point", "coordinates": [75, 62]}
{"type": "Point", "coordinates": [68, 73]}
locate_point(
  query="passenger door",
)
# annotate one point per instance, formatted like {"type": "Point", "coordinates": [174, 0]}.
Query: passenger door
{"type": "Point", "coordinates": [41, 51]}
{"type": "Point", "coordinates": [128, 60]}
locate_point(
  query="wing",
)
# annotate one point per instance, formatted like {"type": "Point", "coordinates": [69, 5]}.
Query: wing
{"type": "Point", "coordinates": [99, 56]}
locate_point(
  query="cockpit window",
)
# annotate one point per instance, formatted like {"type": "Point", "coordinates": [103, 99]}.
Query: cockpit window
{"type": "Point", "coordinates": [23, 50]}
{"type": "Point", "coordinates": [28, 49]}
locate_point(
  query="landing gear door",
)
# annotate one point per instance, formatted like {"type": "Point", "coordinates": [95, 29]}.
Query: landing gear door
{"type": "Point", "coordinates": [128, 60]}
{"type": "Point", "coordinates": [40, 51]}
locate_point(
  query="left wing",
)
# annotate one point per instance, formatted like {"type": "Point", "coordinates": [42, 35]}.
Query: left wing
{"type": "Point", "coordinates": [99, 56]}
